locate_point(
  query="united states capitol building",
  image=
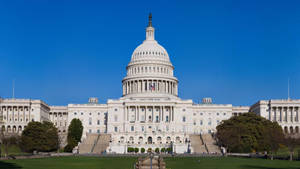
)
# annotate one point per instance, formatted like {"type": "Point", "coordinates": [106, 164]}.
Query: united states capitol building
{"type": "Point", "coordinates": [150, 114]}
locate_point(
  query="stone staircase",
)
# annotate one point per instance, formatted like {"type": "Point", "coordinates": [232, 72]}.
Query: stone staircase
{"type": "Point", "coordinates": [197, 144]}
{"type": "Point", "coordinates": [211, 144]}
{"type": "Point", "coordinates": [87, 144]}
{"type": "Point", "coordinates": [101, 143]}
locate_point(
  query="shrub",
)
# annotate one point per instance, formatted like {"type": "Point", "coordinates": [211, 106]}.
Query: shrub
{"type": "Point", "coordinates": [157, 150]}
{"type": "Point", "coordinates": [39, 137]}
{"type": "Point", "coordinates": [162, 150]}
{"type": "Point", "coordinates": [130, 149]}
{"type": "Point", "coordinates": [142, 150]}
{"type": "Point", "coordinates": [136, 150]}
{"type": "Point", "coordinates": [149, 150]}
{"type": "Point", "coordinates": [169, 150]}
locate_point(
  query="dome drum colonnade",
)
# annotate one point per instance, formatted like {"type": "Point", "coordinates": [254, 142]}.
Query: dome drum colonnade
{"type": "Point", "coordinates": [150, 69]}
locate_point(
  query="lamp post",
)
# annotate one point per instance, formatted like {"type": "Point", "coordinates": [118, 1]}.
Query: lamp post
{"type": "Point", "coordinates": [151, 157]}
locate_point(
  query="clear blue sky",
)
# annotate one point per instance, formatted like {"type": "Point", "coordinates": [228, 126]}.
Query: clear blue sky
{"type": "Point", "coordinates": [236, 52]}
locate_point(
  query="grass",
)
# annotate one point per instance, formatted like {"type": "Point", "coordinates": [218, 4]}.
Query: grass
{"type": "Point", "coordinates": [128, 162]}
{"type": "Point", "coordinates": [12, 150]}
{"type": "Point", "coordinates": [229, 163]}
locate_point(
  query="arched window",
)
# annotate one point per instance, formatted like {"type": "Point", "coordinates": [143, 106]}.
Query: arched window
{"type": "Point", "coordinates": [158, 139]}
{"type": "Point", "coordinates": [291, 130]}
{"type": "Point", "coordinates": [168, 139]}
{"type": "Point", "coordinates": [183, 119]}
{"type": "Point", "coordinates": [167, 118]}
{"type": "Point", "coordinates": [157, 119]}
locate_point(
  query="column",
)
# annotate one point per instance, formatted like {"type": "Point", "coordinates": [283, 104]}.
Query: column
{"type": "Point", "coordinates": [280, 117]}
{"type": "Point", "coordinates": [143, 85]}
{"type": "Point", "coordinates": [128, 88]}
{"type": "Point", "coordinates": [166, 89]}
{"type": "Point", "coordinates": [162, 112]}
{"type": "Point", "coordinates": [152, 119]}
{"type": "Point", "coordinates": [275, 114]}
{"type": "Point", "coordinates": [297, 114]}
{"type": "Point", "coordinates": [159, 116]}
{"type": "Point", "coordinates": [172, 113]}
{"type": "Point", "coordinates": [292, 114]}
{"type": "Point", "coordinates": [127, 109]}
{"type": "Point", "coordinates": [145, 114]}
{"type": "Point", "coordinates": [138, 113]}
{"type": "Point", "coordinates": [286, 114]}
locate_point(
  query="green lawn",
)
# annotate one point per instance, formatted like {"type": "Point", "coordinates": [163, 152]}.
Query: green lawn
{"type": "Point", "coordinates": [12, 150]}
{"type": "Point", "coordinates": [127, 163]}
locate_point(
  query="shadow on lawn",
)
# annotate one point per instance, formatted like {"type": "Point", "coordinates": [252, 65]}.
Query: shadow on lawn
{"type": "Point", "coordinates": [262, 167]}
{"type": "Point", "coordinates": [6, 165]}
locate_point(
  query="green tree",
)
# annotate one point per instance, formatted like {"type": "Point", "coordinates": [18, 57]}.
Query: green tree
{"type": "Point", "coordinates": [157, 150]}
{"type": "Point", "coordinates": [143, 150]}
{"type": "Point", "coordinates": [249, 133]}
{"type": "Point", "coordinates": [39, 137]}
{"type": "Point", "coordinates": [162, 150]}
{"type": "Point", "coordinates": [75, 130]}
{"type": "Point", "coordinates": [136, 150]}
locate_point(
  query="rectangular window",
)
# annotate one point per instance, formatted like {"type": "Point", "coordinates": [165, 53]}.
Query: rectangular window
{"type": "Point", "coordinates": [98, 131]}
{"type": "Point", "coordinates": [116, 129]}
{"type": "Point", "coordinates": [90, 121]}
{"type": "Point", "coordinates": [98, 122]}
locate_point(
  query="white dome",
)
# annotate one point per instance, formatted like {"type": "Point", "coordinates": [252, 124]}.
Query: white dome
{"type": "Point", "coordinates": [150, 72]}
{"type": "Point", "coordinates": [150, 50]}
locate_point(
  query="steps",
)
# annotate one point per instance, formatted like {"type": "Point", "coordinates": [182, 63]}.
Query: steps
{"type": "Point", "coordinates": [211, 144]}
{"type": "Point", "coordinates": [197, 144]}
{"type": "Point", "coordinates": [87, 144]}
{"type": "Point", "coordinates": [101, 144]}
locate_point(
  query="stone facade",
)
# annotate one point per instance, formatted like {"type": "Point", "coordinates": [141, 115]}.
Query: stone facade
{"type": "Point", "coordinates": [285, 112]}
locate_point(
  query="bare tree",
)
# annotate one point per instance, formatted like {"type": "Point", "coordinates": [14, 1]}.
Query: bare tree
{"type": "Point", "coordinates": [291, 141]}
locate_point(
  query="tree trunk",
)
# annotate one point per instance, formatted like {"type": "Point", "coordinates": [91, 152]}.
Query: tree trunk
{"type": "Point", "coordinates": [291, 156]}
{"type": "Point", "coordinates": [6, 150]}
{"type": "Point", "coordinates": [272, 157]}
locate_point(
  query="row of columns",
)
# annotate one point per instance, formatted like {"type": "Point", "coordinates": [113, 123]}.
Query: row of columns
{"type": "Point", "coordinates": [284, 114]}
{"type": "Point", "coordinates": [142, 70]}
{"type": "Point", "coordinates": [164, 113]}
{"type": "Point", "coordinates": [16, 113]}
{"type": "Point", "coordinates": [59, 118]}
{"type": "Point", "coordinates": [155, 86]}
